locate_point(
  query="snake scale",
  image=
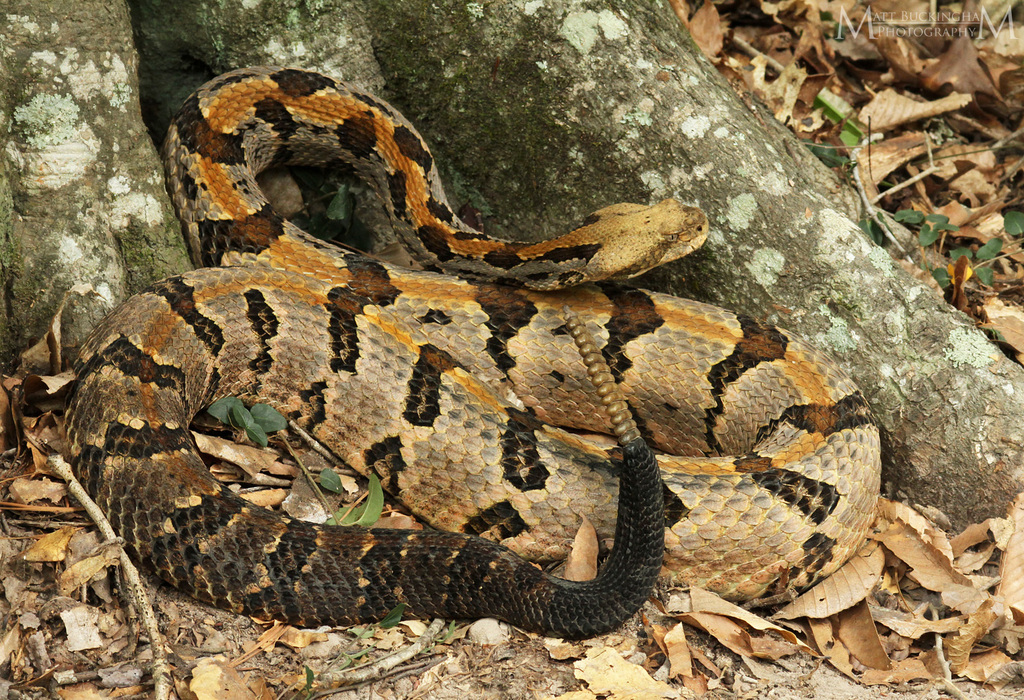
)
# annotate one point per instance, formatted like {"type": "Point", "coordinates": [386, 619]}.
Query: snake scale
{"type": "Point", "coordinates": [466, 394]}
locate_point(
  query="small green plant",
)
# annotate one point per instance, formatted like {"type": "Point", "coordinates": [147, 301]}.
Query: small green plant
{"type": "Point", "coordinates": [364, 514]}
{"type": "Point", "coordinates": [257, 421]}
{"type": "Point", "coordinates": [933, 227]}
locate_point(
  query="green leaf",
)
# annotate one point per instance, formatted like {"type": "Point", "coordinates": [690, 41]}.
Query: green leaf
{"type": "Point", "coordinates": [834, 107]}
{"type": "Point", "coordinates": [850, 135]}
{"type": "Point", "coordinates": [393, 617]}
{"type": "Point", "coordinates": [1013, 222]}
{"type": "Point", "coordinates": [369, 511]}
{"type": "Point", "coordinates": [239, 416]}
{"type": "Point", "coordinates": [937, 219]}
{"type": "Point", "coordinates": [220, 408]}
{"type": "Point", "coordinates": [871, 227]}
{"type": "Point", "coordinates": [927, 236]}
{"type": "Point", "coordinates": [268, 417]}
{"type": "Point", "coordinates": [330, 480]}
{"type": "Point", "coordinates": [255, 433]}
{"type": "Point", "coordinates": [909, 216]}
{"type": "Point", "coordinates": [990, 249]}
{"type": "Point", "coordinates": [941, 276]}
{"type": "Point", "coordinates": [955, 254]}
{"type": "Point", "coordinates": [342, 204]}
{"type": "Point", "coordinates": [984, 275]}
{"type": "Point", "coordinates": [827, 155]}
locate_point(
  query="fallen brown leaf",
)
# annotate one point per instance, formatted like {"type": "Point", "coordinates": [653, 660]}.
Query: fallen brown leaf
{"type": "Point", "coordinates": [581, 564]}
{"type": "Point", "coordinates": [843, 589]}
{"type": "Point", "coordinates": [857, 631]}
{"type": "Point", "coordinates": [50, 547]}
{"type": "Point", "coordinates": [889, 109]}
{"type": "Point", "coordinates": [1011, 587]}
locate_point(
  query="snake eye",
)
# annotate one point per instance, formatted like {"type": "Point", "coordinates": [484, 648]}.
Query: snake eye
{"type": "Point", "coordinates": [672, 237]}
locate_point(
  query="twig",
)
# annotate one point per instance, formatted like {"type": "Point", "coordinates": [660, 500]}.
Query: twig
{"type": "Point", "coordinates": [947, 674]}
{"type": "Point", "coordinates": [309, 478]}
{"type": "Point", "coordinates": [378, 669]}
{"type": "Point", "coordinates": [746, 48]}
{"type": "Point", "coordinates": [137, 597]}
{"type": "Point", "coordinates": [869, 206]}
{"type": "Point", "coordinates": [906, 183]}
{"type": "Point", "coordinates": [311, 441]}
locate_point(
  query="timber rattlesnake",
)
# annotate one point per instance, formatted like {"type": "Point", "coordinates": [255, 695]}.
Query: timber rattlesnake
{"type": "Point", "coordinates": [449, 389]}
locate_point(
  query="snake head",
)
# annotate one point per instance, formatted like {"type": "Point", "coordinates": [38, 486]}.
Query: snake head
{"type": "Point", "coordinates": [635, 238]}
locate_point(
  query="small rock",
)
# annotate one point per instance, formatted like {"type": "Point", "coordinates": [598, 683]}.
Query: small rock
{"type": "Point", "coordinates": [488, 631]}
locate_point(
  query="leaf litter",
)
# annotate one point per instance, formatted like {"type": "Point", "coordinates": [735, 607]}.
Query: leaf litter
{"type": "Point", "coordinates": [915, 606]}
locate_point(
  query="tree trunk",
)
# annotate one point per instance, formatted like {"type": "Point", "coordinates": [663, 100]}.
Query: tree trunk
{"type": "Point", "coordinates": [540, 112]}
{"type": "Point", "coordinates": [81, 196]}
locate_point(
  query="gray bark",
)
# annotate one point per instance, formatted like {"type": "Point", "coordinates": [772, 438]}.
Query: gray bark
{"type": "Point", "coordinates": [81, 197]}
{"type": "Point", "coordinates": [540, 112]}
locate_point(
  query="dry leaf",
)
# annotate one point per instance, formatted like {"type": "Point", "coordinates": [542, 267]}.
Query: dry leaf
{"type": "Point", "coordinates": [879, 159]}
{"type": "Point", "coordinates": [1011, 587]}
{"type": "Point", "coordinates": [214, 678]}
{"type": "Point", "coordinates": [300, 639]}
{"type": "Point", "coordinates": [958, 649]}
{"type": "Point", "coordinates": [849, 585]}
{"type": "Point", "coordinates": [606, 673]}
{"type": "Point", "coordinates": [930, 567]}
{"type": "Point", "coordinates": [910, 669]}
{"type": "Point", "coordinates": [678, 652]}
{"type": "Point", "coordinates": [959, 69]}
{"type": "Point", "coordinates": [267, 498]}
{"type": "Point", "coordinates": [25, 490]}
{"type": "Point", "coordinates": [1008, 320]}
{"type": "Point", "coordinates": [82, 572]}
{"type": "Point", "coordinates": [889, 109]}
{"type": "Point", "coordinates": [50, 547]}
{"type": "Point", "coordinates": [857, 631]}
{"type": "Point", "coordinates": [581, 564]}
{"type": "Point", "coordinates": [250, 459]}
{"type": "Point", "coordinates": [706, 30]}
{"type": "Point", "coordinates": [912, 626]}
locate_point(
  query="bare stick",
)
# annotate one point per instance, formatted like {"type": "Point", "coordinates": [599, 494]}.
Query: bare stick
{"type": "Point", "coordinates": [137, 597]}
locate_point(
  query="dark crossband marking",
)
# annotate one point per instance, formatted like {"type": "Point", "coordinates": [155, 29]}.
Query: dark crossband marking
{"type": "Point", "coordinates": [814, 499]}
{"type": "Point", "coordinates": [143, 442]}
{"type": "Point", "coordinates": [435, 316]}
{"type": "Point", "coordinates": [423, 396]}
{"type": "Point", "coordinates": [130, 361]}
{"type": "Point", "coordinates": [849, 412]}
{"type": "Point", "coordinates": [396, 185]}
{"type": "Point", "coordinates": [501, 520]}
{"type": "Point", "coordinates": [567, 253]}
{"type": "Point", "coordinates": [411, 146]}
{"type": "Point", "coordinates": [507, 313]}
{"type": "Point", "coordinates": [385, 458]}
{"type": "Point", "coordinates": [520, 461]}
{"type": "Point", "coordinates": [298, 83]}
{"type": "Point", "coordinates": [817, 554]}
{"type": "Point", "coordinates": [435, 240]}
{"type": "Point", "coordinates": [443, 213]}
{"type": "Point", "coordinates": [290, 553]}
{"type": "Point", "coordinates": [343, 307]}
{"type": "Point", "coordinates": [263, 322]}
{"type": "Point", "coordinates": [633, 317]}
{"type": "Point", "coordinates": [357, 136]}
{"type": "Point", "coordinates": [314, 396]}
{"type": "Point", "coordinates": [675, 509]}
{"type": "Point", "coordinates": [371, 281]}
{"type": "Point", "coordinates": [180, 297]}
{"type": "Point", "coordinates": [760, 343]}
{"type": "Point", "coordinates": [503, 259]}
{"type": "Point", "coordinates": [197, 136]}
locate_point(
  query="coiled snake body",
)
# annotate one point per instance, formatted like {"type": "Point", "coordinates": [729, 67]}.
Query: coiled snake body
{"type": "Point", "coordinates": [449, 389]}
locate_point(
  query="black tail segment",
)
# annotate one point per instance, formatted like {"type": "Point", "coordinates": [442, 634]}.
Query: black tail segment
{"type": "Point", "coordinates": [630, 572]}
